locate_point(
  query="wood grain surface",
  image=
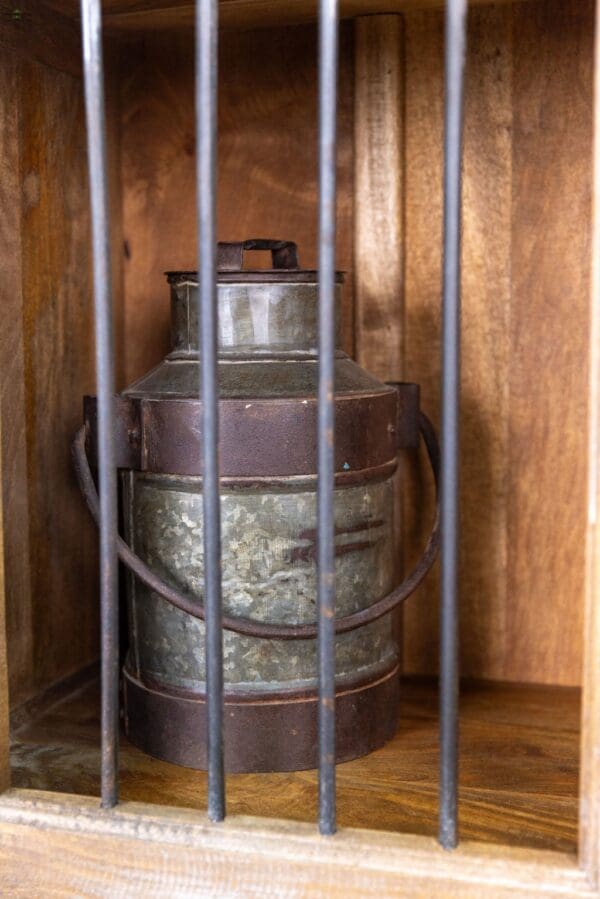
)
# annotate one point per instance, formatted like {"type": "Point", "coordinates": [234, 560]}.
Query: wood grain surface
{"type": "Point", "coordinates": [267, 181]}
{"type": "Point", "coordinates": [378, 195]}
{"type": "Point", "coordinates": [589, 814]}
{"type": "Point", "coordinates": [526, 233]}
{"type": "Point", "coordinates": [551, 253]}
{"type": "Point", "coordinates": [4, 698]}
{"type": "Point", "coordinates": [160, 15]}
{"type": "Point", "coordinates": [267, 165]}
{"type": "Point", "coordinates": [46, 347]}
{"type": "Point", "coordinates": [10, 291]}
{"type": "Point", "coordinates": [519, 762]}
{"type": "Point", "coordinates": [58, 363]}
{"type": "Point", "coordinates": [15, 498]}
{"type": "Point", "coordinates": [67, 846]}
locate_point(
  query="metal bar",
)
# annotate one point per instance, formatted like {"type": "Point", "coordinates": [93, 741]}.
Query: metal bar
{"type": "Point", "coordinates": [206, 141]}
{"type": "Point", "coordinates": [328, 65]}
{"type": "Point", "coordinates": [456, 11]}
{"type": "Point", "coordinates": [107, 477]}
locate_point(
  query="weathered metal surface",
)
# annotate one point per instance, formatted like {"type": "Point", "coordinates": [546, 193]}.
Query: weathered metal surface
{"type": "Point", "coordinates": [259, 438]}
{"type": "Point", "coordinates": [261, 733]}
{"type": "Point", "coordinates": [268, 574]}
{"type": "Point", "coordinates": [256, 315]}
{"type": "Point", "coordinates": [263, 437]}
{"type": "Point", "coordinates": [267, 384]}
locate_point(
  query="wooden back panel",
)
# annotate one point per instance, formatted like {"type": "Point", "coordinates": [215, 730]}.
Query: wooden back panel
{"type": "Point", "coordinates": [525, 278]}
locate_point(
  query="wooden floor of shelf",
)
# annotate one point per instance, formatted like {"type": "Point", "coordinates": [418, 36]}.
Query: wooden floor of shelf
{"type": "Point", "coordinates": [518, 782]}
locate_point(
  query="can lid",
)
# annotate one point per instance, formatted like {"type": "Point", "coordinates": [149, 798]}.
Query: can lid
{"type": "Point", "coordinates": [230, 264]}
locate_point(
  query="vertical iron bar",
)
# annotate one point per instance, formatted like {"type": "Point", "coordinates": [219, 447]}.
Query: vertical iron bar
{"type": "Point", "coordinates": [455, 40]}
{"type": "Point", "coordinates": [206, 142]}
{"type": "Point", "coordinates": [109, 597]}
{"type": "Point", "coordinates": [328, 63]}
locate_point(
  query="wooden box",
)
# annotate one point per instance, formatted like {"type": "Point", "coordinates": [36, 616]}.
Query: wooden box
{"type": "Point", "coordinates": [530, 570]}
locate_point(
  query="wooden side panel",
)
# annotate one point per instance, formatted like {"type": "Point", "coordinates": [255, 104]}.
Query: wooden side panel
{"type": "Point", "coordinates": [46, 344]}
{"type": "Point", "coordinates": [4, 697]}
{"type": "Point", "coordinates": [10, 283]}
{"type": "Point", "coordinates": [525, 318]}
{"type": "Point", "coordinates": [267, 164]}
{"type": "Point", "coordinates": [58, 368]}
{"type": "Point", "coordinates": [12, 395]}
{"type": "Point", "coordinates": [589, 806]}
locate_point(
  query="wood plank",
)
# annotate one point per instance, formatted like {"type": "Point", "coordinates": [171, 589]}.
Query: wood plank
{"type": "Point", "coordinates": [4, 696]}
{"type": "Point", "coordinates": [378, 191]}
{"type": "Point", "coordinates": [486, 303]}
{"type": "Point", "coordinates": [138, 15]}
{"type": "Point", "coordinates": [58, 368]}
{"type": "Point", "coordinates": [15, 496]}
{"type": "Point", "coordinates": [589, 823]}
{"type": "Point", "coordinates": [267, 165]}
{"type": "Point", "coordinates": [523, 793]}
{"type": "Point", "coordinates": [67, 846]}
{"type": "Point", "coordinates": [43, 138]}
{"type": "Point", "coordinates": [11, 450]}
{"type": "Point", "coordinates": [423, 229]}
{"type": "Point", "coordinates": [552, 145]}
{"type": "Point", "coordinates": [520, 605]}
{"type": "Point", "coordinates": [12, 544]}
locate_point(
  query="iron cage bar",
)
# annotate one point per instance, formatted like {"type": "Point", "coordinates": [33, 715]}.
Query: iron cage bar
{"type": "Point", "coordinates": [455, 41]}
{"type": "Point", "coordinates": [93, 67]}
{"type": "Point", "coordinates": [328, 65]}
{"type": "Point", "coordinates": [206, 51]}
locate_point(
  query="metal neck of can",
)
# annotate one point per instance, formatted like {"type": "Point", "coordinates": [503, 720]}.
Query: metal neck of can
{"type": "Point", "coordinates": [260, 313]}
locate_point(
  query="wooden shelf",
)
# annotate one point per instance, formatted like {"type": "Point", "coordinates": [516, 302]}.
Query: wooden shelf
{"type": "Point", "coordinates": [519, 766]}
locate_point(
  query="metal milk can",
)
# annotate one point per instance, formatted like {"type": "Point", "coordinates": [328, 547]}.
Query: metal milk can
{"type": "Point", "coordinates": [268, 449]}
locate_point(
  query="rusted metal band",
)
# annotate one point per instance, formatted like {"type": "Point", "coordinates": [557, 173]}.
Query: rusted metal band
{"type": "Point", "coordinates": [273, 735]}
{"type": "Point", "coordinates": [259, 438]}
{"type": "Point", "coordinates": [247, 626]}
{"type": "Point", "coordinates": [407, 419]}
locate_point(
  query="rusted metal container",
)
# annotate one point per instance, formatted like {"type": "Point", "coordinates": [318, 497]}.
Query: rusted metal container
{"type": "Point", "coordinates": [267, 395]}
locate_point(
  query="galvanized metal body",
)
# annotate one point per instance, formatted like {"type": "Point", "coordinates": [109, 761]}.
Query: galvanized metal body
{"type": "Point", "coordinates": [267, 354]}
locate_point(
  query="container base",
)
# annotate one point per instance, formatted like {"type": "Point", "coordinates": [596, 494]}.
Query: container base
{"type": "Point", "coordinates": [261, 735]}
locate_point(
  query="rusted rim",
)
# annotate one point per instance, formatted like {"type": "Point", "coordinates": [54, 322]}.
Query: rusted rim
{"type": "Point", "coordinates": [261, 736]}
{"type": "Point", "coordinates": [259, 438]}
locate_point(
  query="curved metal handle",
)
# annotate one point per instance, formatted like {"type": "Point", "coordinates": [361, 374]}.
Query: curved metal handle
{"type": "Point", "coordinates": [230, 256]}
{"type": "Point", "coordinates": [246, 626]}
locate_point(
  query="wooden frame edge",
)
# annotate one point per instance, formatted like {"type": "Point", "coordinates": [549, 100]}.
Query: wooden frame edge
{"type": "Point", "coordinates": [589, 806]}
{"type": "Point", "coordinates": [68, 841]}
{"type": "Point", "coordinates": [248, 14]}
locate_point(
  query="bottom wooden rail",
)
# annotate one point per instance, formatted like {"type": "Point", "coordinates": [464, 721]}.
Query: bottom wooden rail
{"type": "Point", "coordinates": [60, 845]}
